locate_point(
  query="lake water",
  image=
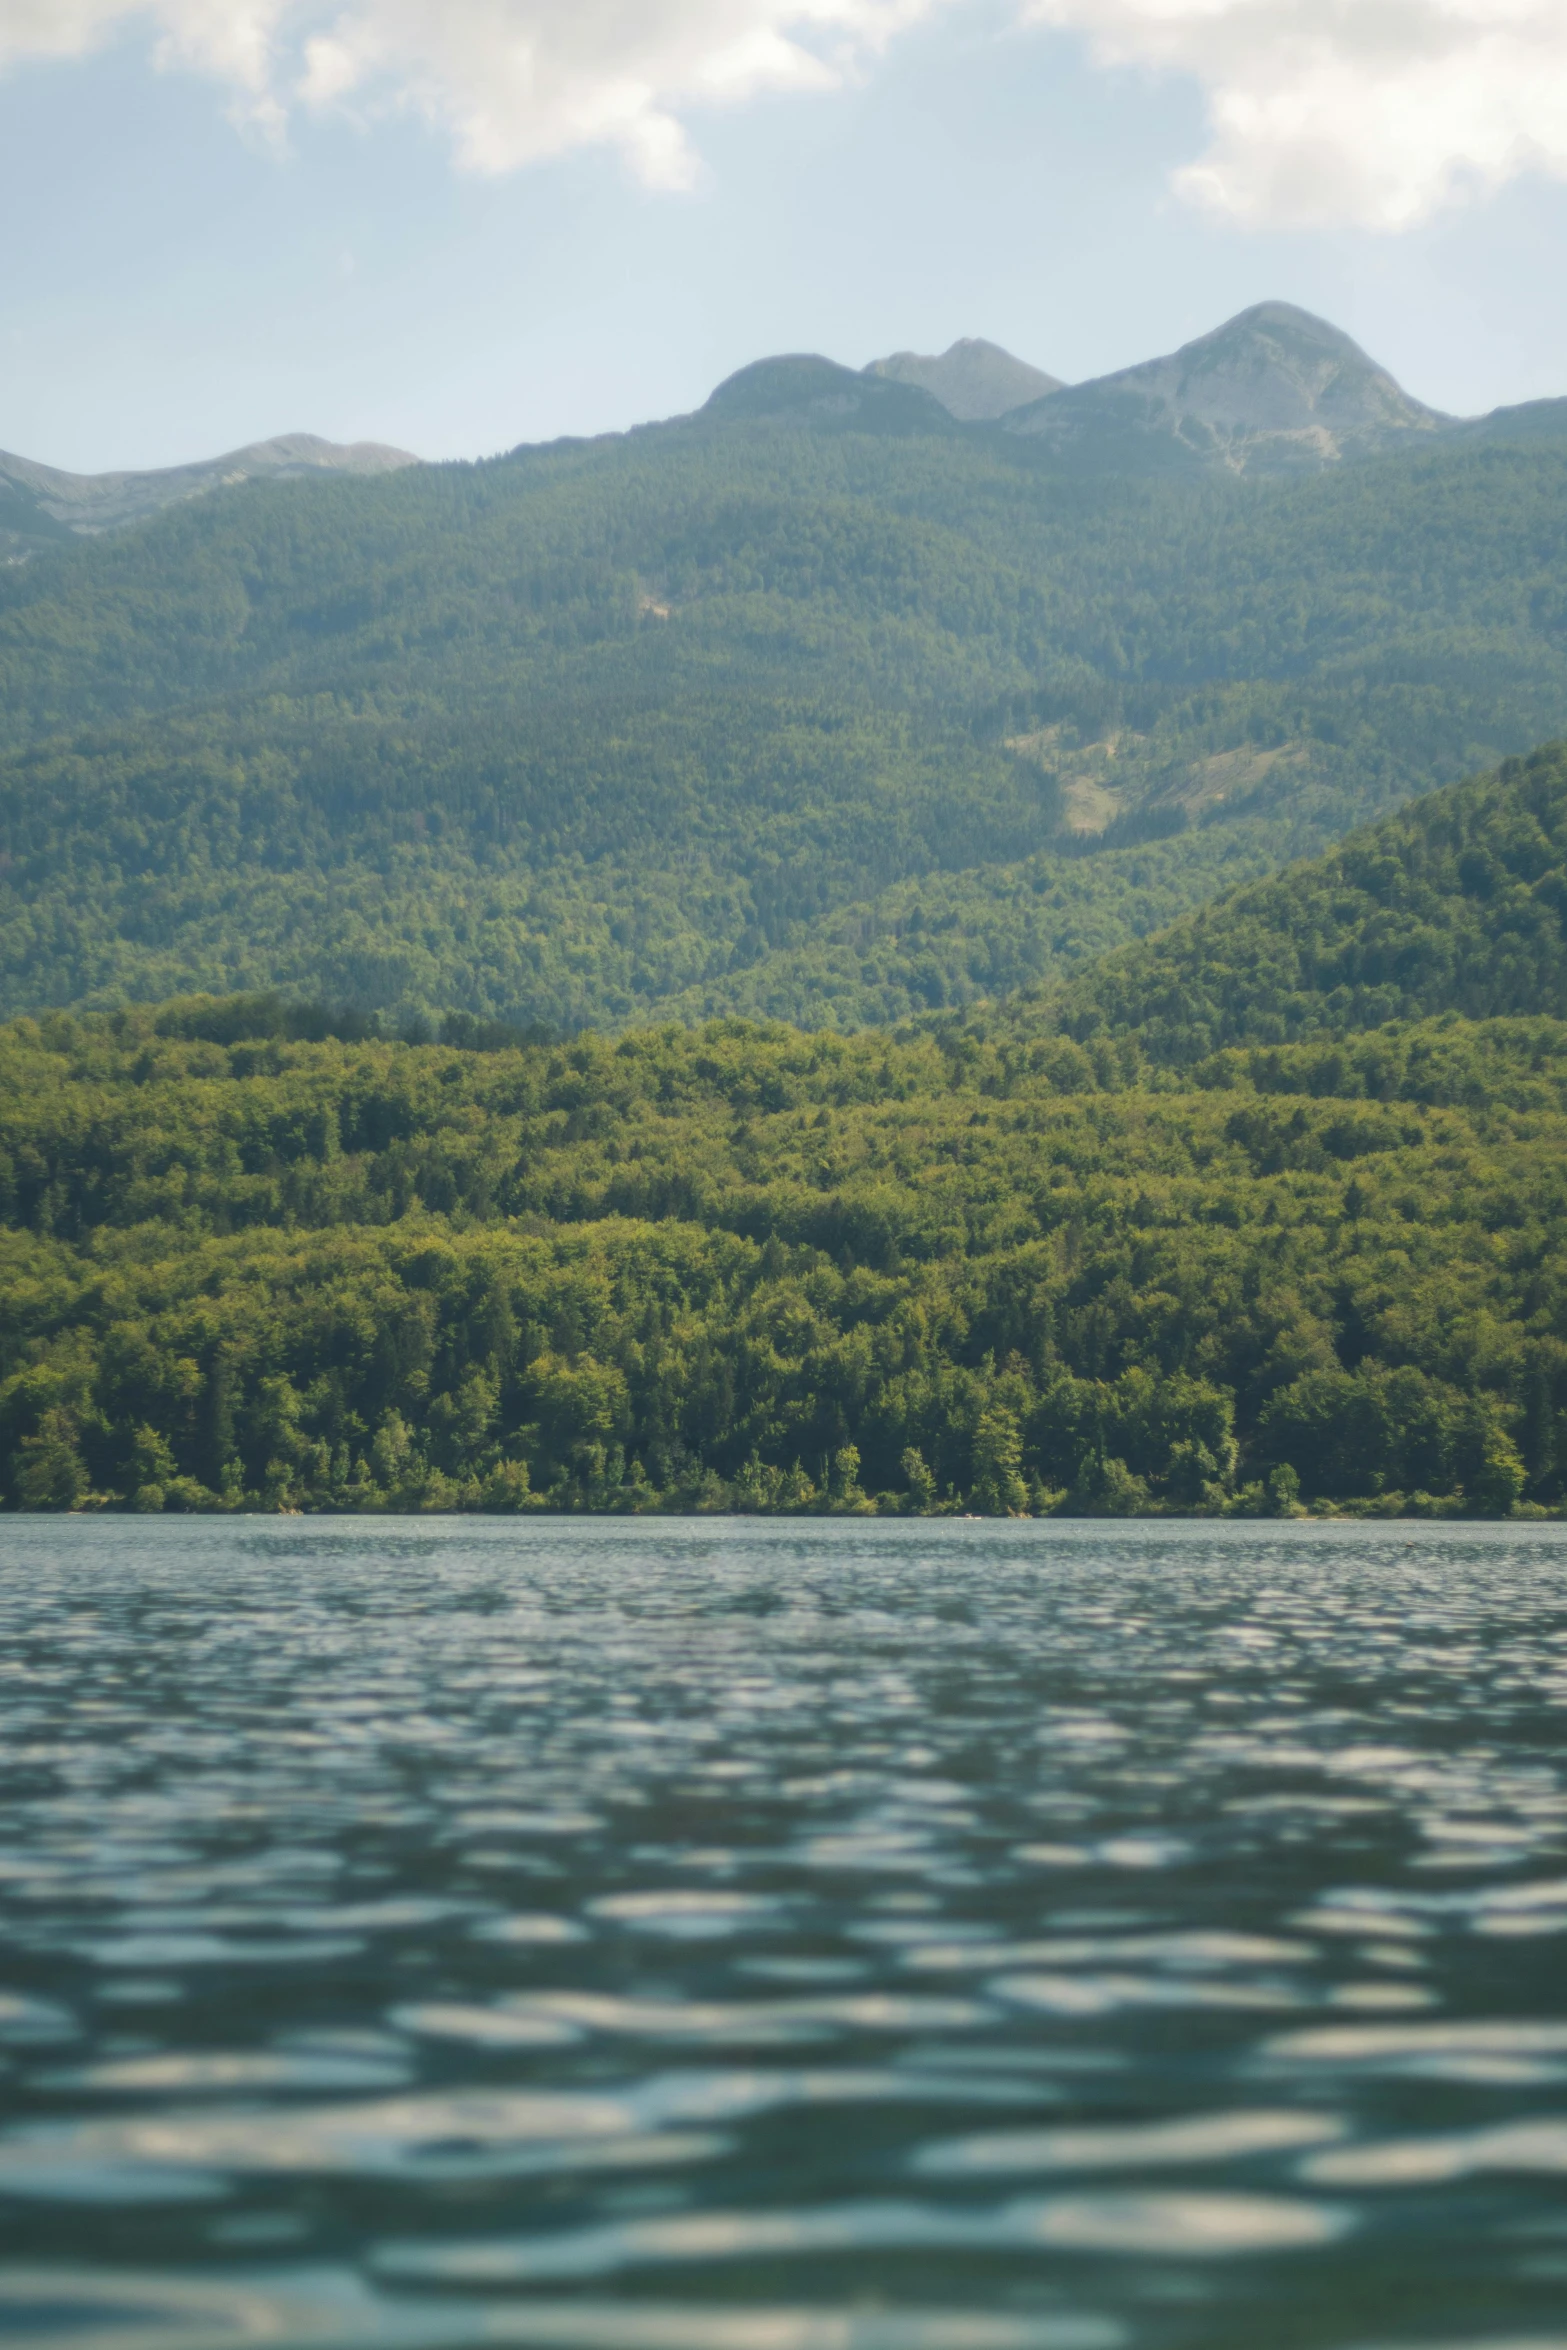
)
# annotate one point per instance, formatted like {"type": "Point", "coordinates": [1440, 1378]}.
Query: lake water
{"type": "Point", "coordinates": [793, 1936]}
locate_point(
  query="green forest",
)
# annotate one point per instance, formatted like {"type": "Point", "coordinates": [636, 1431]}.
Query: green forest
{"type": "Point", "coordinates": [743, 713]}
{"type": "Point", "coordinates": [1266, 1215]}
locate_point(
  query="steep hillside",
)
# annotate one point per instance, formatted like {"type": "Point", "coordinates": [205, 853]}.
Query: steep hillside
{"type": "Point", "coordinates": [1458, 905]}
{"type": "Point", "coordinates": [819, 702]}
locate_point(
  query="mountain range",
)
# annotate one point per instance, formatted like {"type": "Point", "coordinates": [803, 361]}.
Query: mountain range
{"type": "Point", "coordinates": [1202, 1151]}
{"type": "Point", "coordinates": [821, 703]}
{"type": "Point", "coordinates": [1273, 390]}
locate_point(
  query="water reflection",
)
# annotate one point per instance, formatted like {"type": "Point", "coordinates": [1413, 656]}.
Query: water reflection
{"type": "Point", "coordinates": [791, 1937]}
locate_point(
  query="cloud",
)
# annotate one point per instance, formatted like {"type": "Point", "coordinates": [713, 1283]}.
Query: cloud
{"type": "Point", "coordinates": [512, 82]}
{"type": "Point", "coordinates": [1371, 112]}
{"type": "Point", "coordinates": [1374, 113]}
{"type": "Point", "coordinates": [516, 81]}
{"type": "Point", "coordinates": [232, 39]}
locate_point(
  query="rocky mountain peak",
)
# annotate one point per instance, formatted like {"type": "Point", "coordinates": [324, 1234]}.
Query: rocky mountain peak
{"type": "Point", "coordinates": [1272, 390]}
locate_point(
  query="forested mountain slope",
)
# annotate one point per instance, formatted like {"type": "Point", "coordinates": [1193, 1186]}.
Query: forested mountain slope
{"type": "Point", "coordinates": [252, 1256]}
{"type": "Point", "coordinates": [1458, 904]}
{"type": "Point", "coordinates": [819, 702]}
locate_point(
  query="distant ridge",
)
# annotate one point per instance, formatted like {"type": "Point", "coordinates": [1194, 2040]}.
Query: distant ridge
{"type": "Point", "coordinates": [975, 381]}
{"type": "Point", "coordinates": [39, 502]}
{"type": "Point", "coordinates": [1274, 390]}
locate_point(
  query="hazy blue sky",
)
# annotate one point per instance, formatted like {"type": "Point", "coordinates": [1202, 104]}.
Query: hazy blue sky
{"type": "Point", "coordinates": [196, 255]}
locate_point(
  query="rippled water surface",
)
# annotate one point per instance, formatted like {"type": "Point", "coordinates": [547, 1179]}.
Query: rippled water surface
{"type": "Point", "coordinates": [720, 1936]}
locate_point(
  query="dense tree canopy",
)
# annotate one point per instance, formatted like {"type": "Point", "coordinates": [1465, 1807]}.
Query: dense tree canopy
{"type": "Point", "coordinates": [743, 1267]}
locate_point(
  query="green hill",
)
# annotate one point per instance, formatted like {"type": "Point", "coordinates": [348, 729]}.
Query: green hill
{"type": "Point", "coordinates": [820, 702]}
{"type": "Point", "coordinates": [1458, 904]}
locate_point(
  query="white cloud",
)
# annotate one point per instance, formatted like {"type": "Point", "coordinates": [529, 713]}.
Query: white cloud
{"type": "Point", "coordinates": [512, 81]}
{"type": "Point", "coordinates": [1375, 112]}
{"type": "Point", "coordinates": [230, 38]}
{"type": "Point", "coordinates": [519, 80]}
{"type": "Point", "coordinates": [1370, 112]}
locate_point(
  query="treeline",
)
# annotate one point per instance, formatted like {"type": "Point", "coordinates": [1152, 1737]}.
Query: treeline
{"type": "Point", "coordinates": [745, 1268]}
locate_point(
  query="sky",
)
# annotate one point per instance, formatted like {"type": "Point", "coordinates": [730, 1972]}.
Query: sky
{"type": "Point", "coordinates": [456, 225]}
